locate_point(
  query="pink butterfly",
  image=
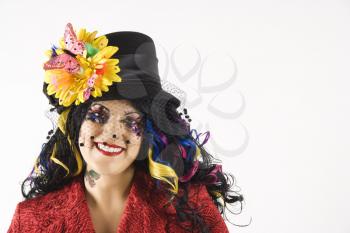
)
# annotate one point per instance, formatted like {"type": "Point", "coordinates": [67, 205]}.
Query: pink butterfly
{"type": "Point", "coordinates": [90, 82]}
{"type": "Point", "coordinates": [72, 43]}
{"type": "Point", "coordinates": [87, 93]}
{"type": "Point", "coordinates": [63, 61]}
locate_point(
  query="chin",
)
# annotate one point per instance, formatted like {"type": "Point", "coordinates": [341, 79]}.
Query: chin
{"type": "Point", "coordinates": [110, 168]}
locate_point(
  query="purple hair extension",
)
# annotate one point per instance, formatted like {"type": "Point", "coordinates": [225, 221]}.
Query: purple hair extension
{"type": "Point", "coordinates": [163, 138]}
{"type": "Point", "coordinates": [183, 152]}
{"type": "Point", "coordinates": [197, 135]}
{"type": "Point", "coordinates": [212, 176]}
{"type": "Point", "coordinates": [191, 172]}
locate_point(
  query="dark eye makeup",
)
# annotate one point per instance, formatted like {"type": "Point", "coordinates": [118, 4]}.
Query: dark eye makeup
{"type": "Point", "coordinates": [134, 121]}
{"type": "Point", "coordinates": [100, 114]}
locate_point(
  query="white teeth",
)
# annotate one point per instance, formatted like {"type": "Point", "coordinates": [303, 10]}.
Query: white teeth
{"type": "Point", "coordinates": [107, 148]}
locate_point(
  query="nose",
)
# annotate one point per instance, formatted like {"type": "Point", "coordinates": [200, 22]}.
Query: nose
{"type": "Point", "coordinates": [116, 131]}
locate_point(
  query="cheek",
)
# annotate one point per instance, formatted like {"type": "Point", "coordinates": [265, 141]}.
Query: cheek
{"type": "Point", "coordinates": [135, 140]}
{"type": "Point", "coordinates": [134, 147]}
{"type": "Point", "coordinates": [87, 130]}
{"type": "Point", "coordinates": [135, 135]}
{"type": "Point", "coordinates": [134, 143]}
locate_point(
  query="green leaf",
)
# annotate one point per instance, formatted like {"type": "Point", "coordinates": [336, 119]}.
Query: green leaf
{"type": "Point", "coordinates": [91, 51]}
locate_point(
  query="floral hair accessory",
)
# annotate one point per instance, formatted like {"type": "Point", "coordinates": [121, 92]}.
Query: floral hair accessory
{"type": "Point", "coordinates": [82, 66]}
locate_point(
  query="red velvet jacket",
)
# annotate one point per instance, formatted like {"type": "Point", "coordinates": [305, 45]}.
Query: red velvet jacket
{"type": "Point", "coordinates": [66, 210]}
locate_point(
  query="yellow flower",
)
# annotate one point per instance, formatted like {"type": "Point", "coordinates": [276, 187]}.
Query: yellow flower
{"type": "Point", "coordinates": [88, 37]}
{"type": "Point", "coordinates": [99, 43]}
{"type": "Point", "coordinates": [97, 72]}
{"type": "Point", "coordinates": [102, 65]}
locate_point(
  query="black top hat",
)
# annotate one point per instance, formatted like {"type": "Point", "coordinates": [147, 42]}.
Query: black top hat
{"type": "Point", "coordinates": [139, 68]}
{"type": "Point", "coordinates": [140, 79]}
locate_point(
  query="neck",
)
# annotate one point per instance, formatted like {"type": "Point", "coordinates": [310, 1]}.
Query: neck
{"type": "Point", "coordinates": [108, 188]}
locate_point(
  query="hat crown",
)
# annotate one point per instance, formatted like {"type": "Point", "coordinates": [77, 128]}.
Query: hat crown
{"type": "Point", "coordinates": [131, 42]}
{"type": "Point", "coordinates": [136, 53]}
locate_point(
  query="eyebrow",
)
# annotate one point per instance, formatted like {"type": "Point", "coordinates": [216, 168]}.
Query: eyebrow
{"type": "Point", "coordinates": [125, 113]}
{"type": "Point", "coordinates": [100, 105]}
{"type": "Point", "coordinates": [128, 113]}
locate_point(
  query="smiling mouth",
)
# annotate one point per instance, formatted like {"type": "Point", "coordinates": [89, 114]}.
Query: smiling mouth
{"type": "Point", "coordinates": [109, 150]}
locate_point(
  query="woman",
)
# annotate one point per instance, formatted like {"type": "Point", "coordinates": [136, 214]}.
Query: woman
{"type": "Point", "coordinates": [122, 159]}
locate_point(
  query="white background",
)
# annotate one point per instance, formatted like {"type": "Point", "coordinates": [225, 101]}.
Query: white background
{"type": "Point", "coordinates": [292, 72]}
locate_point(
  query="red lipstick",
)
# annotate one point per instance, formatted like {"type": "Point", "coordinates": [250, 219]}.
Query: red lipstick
{"type": "Point", "coordinates": [109, 153]}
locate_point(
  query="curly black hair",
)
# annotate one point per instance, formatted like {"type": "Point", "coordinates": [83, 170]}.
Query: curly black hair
{"type": "Point", "coordinates": [53, 176]}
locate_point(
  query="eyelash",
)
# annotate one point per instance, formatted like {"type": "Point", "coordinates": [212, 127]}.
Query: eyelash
{"type": "Point", "coordinates": [96, 117]}
{"type": "Point", "coordinates": [136, 126]}
{"type": "Point", "coordinates": [128, 121]}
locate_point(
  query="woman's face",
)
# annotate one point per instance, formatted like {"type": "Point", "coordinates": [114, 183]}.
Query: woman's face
{"type": "Point", "coordinates": [111, 134]}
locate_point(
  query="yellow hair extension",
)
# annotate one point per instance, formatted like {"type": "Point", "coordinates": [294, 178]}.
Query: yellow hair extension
{"type": "Point", "coordinates": [52, 157]}
{"type": "Point", "coordinates": [62, 121]}
{"type": "Point", "coordinates": [198, 152]}
{"type": "Point", "coordinates": [77, 158]}
{"type": "Point", "coordinates": [161, 171]}
{"type": "Point", "coordinates": [216, 194]}
{"type": "Point", "coordinates": [62, 126]}
{"type": "Point", "coordinates": [36, 168]}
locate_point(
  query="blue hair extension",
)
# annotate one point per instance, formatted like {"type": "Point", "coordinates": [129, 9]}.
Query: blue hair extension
{"type": "Point", "coordinates": [188, 146]}
{"type": "Point", "coordinates": [157, 142]}
{"type": "Point", "coordinates": [43, 161]}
